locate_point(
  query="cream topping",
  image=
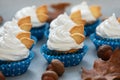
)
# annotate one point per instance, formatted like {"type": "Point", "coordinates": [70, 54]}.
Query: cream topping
{"type": "Point", "coordinates": [1, 31]}
{"type": "Point", "coordinates": [59, 36]}
{"type": "Point", "coordinates": [110, 28]}
{"type": "Point", "coordinates": [29, 11]}
{"type": "Point", "coordinates": [12, 26]}
{"type": "Point", "coordinates": [11, 49]}
{"type": "Point", "coordinates": [85, 11]}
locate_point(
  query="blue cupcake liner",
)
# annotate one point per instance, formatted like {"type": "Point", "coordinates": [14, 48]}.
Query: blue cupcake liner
{"type": "Point", "coordinates": [15, 68]}
{"type": "Point", "coordinates": [90, 28]}
{"type": "Point", "coordinates": [46, 32]}
{"type": "Point", "coordinates": [69, 59]}
{"type": "Point", "coordinates": [99, 41]}
{"type": "Point", "coordinates": [35, 41]}
{"type": "Point", "coordinates": [38, 32]}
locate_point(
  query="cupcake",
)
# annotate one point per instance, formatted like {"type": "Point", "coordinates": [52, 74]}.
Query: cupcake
{"type": "Point", "coordinates": [65, 41]}
{"type": "Point", "coordinates": [107, 33]}
{"type": "Point", "coordinates": [58, 9]}
{"type": "Point", "coordinates": [38, 18]}
{"type": "Point", "coordinates": [90, 14]}
{"type": "Point", "coordinates": [15, 56]}
{"type": "Point", "coordinates": [19, 27]}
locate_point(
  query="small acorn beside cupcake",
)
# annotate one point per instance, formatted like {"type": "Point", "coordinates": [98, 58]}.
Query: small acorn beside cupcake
{"type": "Point", "coordinates": [65, 41]}
{"type": "Point", "coordinates": [90, 14]}
{"type": "Point", "coordinates": [38, 15]}
{"type": "Point", "coordinates": [107, 33]}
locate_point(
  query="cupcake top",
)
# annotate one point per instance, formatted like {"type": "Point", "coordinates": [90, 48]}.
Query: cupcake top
{"type": "Point", "coordinates": [62, 34]}
{"type": "Point", "coordinates": [15, 27]}
{"type": "Point", "coordinates": [88, 13]}
{"type": "Point", "coordinates": [11, 26]}
{"type": "Point", "coordinates": [15, 42]}
{"type": "Point", "coordinates": [110, 28]}
{"type": "Point", "coordinates": [11, 48]}
{"type": "Point", "coordinates": [38, 14]}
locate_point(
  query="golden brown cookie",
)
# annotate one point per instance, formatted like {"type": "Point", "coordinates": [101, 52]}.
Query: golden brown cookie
{"type": "Point", "coordinates": [118, 19]}
{"type": "Point", "coordinates": [42, 17]}
{"type": "Point", "coordinates": [24, 20]}
{"type": "Point", "coordinates": [96, 11]}
{"type": "Point", "coordinates": [27, 42]}
{"type": "Point", "coordinates": [42, 13]}
{"type": "Point", "coordinates": [23, 34]}
{"type": "Point", "coordinates": [79, 38]}
{"type": "Point", "coordinates": [77, 18]}
{"type": "Point", "coordinates": [42, 9]}
{"type": "Point", "coordinates": [26, 26]}
{"type": "Point", "coordinates": [77, 29]}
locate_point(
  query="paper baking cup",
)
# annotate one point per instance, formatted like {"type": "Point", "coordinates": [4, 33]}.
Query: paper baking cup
{"type": "Point", "coordinates": [99, 41]}
{"type": "Point", "coordinates": [35, 41]}
{"type": "Point", "coordinates": [16, 68]}
{"type": "Point", "coordinates": [90, 28]}
{"type": "Point", "coordinates": [38, 32]}
{"type": "Point", "coordinates": [69, 59]}
{"type": "Point", "coordinates": [46, 32]}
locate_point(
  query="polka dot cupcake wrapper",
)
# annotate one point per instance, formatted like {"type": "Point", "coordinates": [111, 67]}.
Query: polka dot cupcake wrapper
{"type": "Point", "coordinates": [38, 32]}
{"type": "Point", "coordinates": [35, 41]}
{"type": "Point", "coordinates": [71, 59]}
{"type": "Point", "coordinates": [16, 68]}
{"type": "Point", "coordinates": [98, 41]}
{"type": "Point", "coordinates": [46, 32]}
{"type": "Point", "coordinates": [90, 28]}
{"type": "Point", "coordinates": [47, 51]}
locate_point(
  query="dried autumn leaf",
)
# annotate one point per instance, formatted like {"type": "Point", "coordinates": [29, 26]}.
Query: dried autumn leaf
{"type": "Point", "coordinates": [104, 70]}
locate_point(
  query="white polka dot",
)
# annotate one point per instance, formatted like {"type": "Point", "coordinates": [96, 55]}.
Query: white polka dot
{"type": "Point", "coordinates": [23, 62]}
{"type": "Point", "coordinates": [19, 69]}
{"type": "Point", "coordinates": [13, 70]}
{"type": "Point", "coordinates": [3, 68]}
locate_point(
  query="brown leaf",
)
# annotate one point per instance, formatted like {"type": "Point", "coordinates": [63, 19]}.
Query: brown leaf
{"type": "Point", "coordinates": [104, 70]}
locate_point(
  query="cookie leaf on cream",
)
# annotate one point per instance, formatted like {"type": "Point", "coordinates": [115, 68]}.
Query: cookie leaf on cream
{"type": "Point", "coordinates": [60, 37]}
{"type": "Point", "coordinates": [29, 11]}
{"type": "Point", "coordinates": [85, 11]}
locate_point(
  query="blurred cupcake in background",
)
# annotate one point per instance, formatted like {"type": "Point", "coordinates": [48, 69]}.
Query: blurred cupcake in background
{"type": "Point", "coordinates": [15, 56]}
{"type": "Point", "coordinates": [38, 15]}
{"type": "Point", "coordinates": [108, 33]}
{"type": "Point", "coordinates": [65, 41]}
{"type": "Point", "coordinates": [90, 14]}
{"type": "Point", "coordinates": [56, 10]}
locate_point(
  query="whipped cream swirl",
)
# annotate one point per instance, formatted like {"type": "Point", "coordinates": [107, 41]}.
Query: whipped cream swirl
{"type": "Point", "coordinates": [12, 26]}
{"type": "Point", "coordinates": [110, 28]}
{"type": "Point", "coordinates": [85, 11]}
{"type": "Point", "coordinates": [29, 11]}
{"type": "Point", "coordinates": [11, 49]}
{"type": "Point", "coordinates": [59, 37]}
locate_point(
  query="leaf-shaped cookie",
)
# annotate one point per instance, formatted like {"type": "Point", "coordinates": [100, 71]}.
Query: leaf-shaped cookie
{"type": "Point", "coordinates": [27, 42]}
{"type": "Point", "coordinates": [96, 11]}
{"type": "Point", "coordinates": [76, 17]}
